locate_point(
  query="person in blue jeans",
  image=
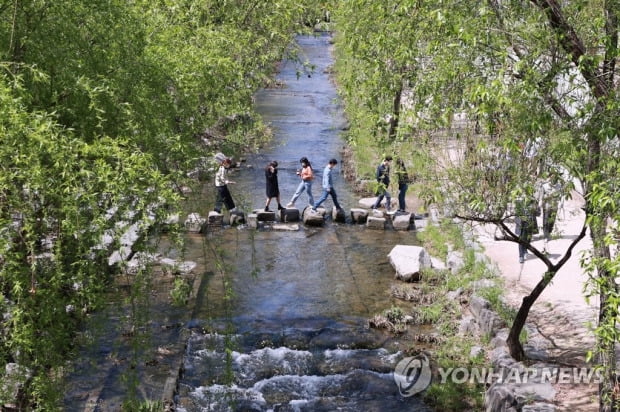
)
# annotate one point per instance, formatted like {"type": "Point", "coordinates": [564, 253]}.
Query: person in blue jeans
{"type": "Point", "coordinates": [306, 173]}
{"type": "Point", "coordinates": [328, 186]}
{"type": "Point", "coordinates": [403, 184]}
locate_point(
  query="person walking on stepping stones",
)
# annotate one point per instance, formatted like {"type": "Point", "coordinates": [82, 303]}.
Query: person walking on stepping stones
{"type": "Point", "coordinates": [383, 180]}
{"type": "Point", "coordinates": [307, 176]}
{"type": "Point", "coordinates": [328, 186]}
{"type": "Point", "coordinates": [221, 185]}
{"type": "Point", "coordinates": [403, 184]}
{"type": "Point", "coordinates": [271, 185]}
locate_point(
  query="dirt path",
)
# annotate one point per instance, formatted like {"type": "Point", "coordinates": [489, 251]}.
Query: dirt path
{"type": "Point", "coordinates": [561, 315]}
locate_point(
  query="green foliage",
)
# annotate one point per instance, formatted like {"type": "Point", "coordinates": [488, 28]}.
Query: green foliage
{"type": "Point", "coordinates": [499, 93]}
{"type": "Point", "coordinates": [453, 351]}
{"type": "Point", "coordinates": [440, 239]}
{"type": "Point", "coordinates": [57, 193]}
{"type": "Point", "coordinates": [180, 292]}
{"type": "Point", "coordinates": [394, 314]}
{"type": "Point", "coordinates": [142, 406]}
{"type": "Point", "coordinates": [101, 117]}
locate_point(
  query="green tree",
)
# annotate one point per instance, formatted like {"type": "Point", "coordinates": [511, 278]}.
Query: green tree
{"type": "Point", "coordinates": [56, 193]}
{"type": "Point", "coordinates": [104, 107]}
{"type": "Point", "coordinates": [515, 88]}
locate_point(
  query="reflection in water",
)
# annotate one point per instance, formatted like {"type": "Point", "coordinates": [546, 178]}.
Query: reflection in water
{"type": "Point", "coordinates": [282, 314]}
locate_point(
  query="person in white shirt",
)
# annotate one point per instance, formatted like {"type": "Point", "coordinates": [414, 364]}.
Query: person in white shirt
{"type": "Point", "coordinates": [221, 185]}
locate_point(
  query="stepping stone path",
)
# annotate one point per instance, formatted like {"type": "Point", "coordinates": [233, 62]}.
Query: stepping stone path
{"type": "Point", "coordinates": [376, 219]}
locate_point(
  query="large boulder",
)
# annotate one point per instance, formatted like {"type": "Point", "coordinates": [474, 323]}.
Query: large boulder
{"type": "Point", "coordinates": [455, 261]}
{"type": "Point", "coordinates": [488, 321]}
{"type": "Point", "coordinates": [408, 261]}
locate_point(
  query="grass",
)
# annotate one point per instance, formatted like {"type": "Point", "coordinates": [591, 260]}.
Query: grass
{"type": "Point", "coordinates": [453, 350]}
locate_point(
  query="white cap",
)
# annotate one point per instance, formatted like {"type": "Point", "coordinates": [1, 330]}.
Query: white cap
{"type": "Point", "coordinates": [220, 157]}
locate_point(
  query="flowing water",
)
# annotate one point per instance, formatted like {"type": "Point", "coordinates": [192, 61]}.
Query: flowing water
{"type": "Point", "coordinates": [281, 321]}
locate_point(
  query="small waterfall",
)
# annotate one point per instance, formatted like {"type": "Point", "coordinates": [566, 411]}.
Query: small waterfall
{"type": "Point", "coordinates": [317, 373]}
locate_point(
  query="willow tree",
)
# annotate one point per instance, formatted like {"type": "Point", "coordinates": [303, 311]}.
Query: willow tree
{"type": "Point", "coordinates": [373, 67]}
{"type": "Point", "coordinates": [161, 72]}
{"type": "Point", "coordinates": [520, 87]}
{"type": "Point", "coordinates": [56, 195]}
{"type": "Point", "coordinates": [103, 109]}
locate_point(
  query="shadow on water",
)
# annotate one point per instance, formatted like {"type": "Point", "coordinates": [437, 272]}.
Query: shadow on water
{"type": "Point", "coordinates": [281, 318]}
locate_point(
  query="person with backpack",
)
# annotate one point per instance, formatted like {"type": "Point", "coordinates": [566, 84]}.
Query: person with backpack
{"type": "Point", "coordinates": [383, 181]}
{"type": "Point", "coordinates": [403, 183]}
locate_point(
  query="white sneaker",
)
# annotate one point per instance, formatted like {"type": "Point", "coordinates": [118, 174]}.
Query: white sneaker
{"type": "Point", "coordinates": [290, 204]}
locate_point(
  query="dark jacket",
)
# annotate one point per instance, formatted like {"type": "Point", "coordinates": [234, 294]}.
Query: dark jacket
{"type": "Point", "coordinates": [383, 175]}
{"type": "Point", "coordinates": [271, 178]}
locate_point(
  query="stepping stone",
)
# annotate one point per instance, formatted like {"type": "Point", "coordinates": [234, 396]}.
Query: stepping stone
{"type": "Point", "coordinates": [252, 220]}
{"type": "Point", "coordinates": [285, 228]}
{"type": "Point", "coordinates": [368, 202]}
{"type": "Point", "coordinates": [359, 215]}
{"type": "Point", "coordinates": [237, 218]}
{"type": "Point", "coordinates": [376, 213]}
{"type": "Point", "coordinates": [263, 216]}
{"type": "Point", "coordinates": [215, 219]}
{"type": "Point", "coordinates": [312, 218]}
{"type": "Point", "coordinates": [338, 215]}
{"type": "Point", "coordinates": [194, 223]}
{"type": "Point", "coordinates": [289, 215]}
{"type": "Point", "coordinates": [401, 221]}
{"type": "Point", "coordinates": [377, 223]}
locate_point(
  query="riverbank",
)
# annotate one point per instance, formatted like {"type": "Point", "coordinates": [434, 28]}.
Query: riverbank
{"type": "Point", "coordinates": [562, 317]}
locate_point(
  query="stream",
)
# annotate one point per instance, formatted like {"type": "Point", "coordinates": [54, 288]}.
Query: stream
{"type": "Point", "coordinates": [279, 316]}
{"type": "Point", "coordinates": [283, 325]}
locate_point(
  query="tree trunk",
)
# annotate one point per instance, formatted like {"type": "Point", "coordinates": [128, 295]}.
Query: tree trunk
{"type": "Point", "coordinates": [514, 345]}
{"type": "Point", "coordinates": [395, 113]}
{"type": "Point", "coordinates": [608, 312]}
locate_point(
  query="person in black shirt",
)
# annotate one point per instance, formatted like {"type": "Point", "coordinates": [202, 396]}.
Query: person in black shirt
{"type": "Point", "coordinates": [271, 188]}
{"type": "Point", "coordinates": [383, 180]}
